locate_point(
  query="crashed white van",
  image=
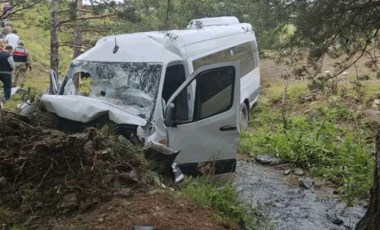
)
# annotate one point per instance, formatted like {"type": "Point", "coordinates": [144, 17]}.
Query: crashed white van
{"type": "Point", "coordinates": [186, 89]}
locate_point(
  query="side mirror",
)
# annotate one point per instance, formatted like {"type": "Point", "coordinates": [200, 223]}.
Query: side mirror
{"type": "Point", "coordinates": [53, 87]}
{"type": "Point", "coordinates": [170, 116]}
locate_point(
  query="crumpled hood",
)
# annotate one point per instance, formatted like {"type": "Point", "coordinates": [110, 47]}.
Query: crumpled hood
{"type": "Point", "coordinates": [86, 109]}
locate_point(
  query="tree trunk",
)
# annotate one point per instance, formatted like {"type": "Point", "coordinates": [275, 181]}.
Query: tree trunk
{"type": "Point", "coordinates": [371, 220]}
{"type": "Point", "coordinates": [54, 44]}
{"type": "Point", "coordinates": [78, 31]}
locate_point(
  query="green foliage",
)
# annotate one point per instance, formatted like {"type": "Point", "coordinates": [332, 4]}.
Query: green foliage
{"type": "Point", "coordinates": [222, 199]}
{"type": "Point", "coordinates": [319, 142]}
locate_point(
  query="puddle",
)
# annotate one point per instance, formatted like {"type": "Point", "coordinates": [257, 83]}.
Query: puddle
{"type": "Point", "coordinates": [289, 206]}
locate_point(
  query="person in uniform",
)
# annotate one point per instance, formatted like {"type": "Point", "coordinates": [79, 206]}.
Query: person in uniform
{"type": "Point", "coordinates": [7, 65]}
{"type": "Point", "coordinates": [23, 63]}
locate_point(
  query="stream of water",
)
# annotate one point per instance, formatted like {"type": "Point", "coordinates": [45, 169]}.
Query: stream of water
{"type": "Point", "coordinates": [287, 205]}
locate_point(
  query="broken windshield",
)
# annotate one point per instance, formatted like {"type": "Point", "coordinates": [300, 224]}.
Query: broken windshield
{"type": "Point", "coordinates": [132, 86]}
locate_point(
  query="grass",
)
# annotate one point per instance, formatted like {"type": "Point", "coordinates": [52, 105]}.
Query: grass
{"type": "Point", "coordinates": [329, 136]}
{"type": "Point", "coordinates": [222, 199]}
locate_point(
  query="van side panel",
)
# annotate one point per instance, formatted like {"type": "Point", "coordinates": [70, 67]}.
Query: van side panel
{"type": "Point", "coordinates": [250, 87]}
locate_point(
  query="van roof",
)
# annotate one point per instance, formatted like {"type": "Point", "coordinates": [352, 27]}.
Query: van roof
{"type": "Point", "coordinates": [167, 46]}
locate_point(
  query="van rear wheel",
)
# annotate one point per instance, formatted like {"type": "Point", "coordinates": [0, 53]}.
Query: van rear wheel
{"type": "Point", "coordinates": [244, 116]}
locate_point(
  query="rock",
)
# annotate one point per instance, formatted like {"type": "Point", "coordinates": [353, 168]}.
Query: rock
{"type": "Point", "coordinates": [318, 183]}
{"type": "Point", "coordinates": [375, 106]}
{"type": "Point", "coordinates": [376, 101]}
{"type": "Point", "coordinates": [338, 221]}
{"type": "Point", "coordinates": [334, 218]}
{"type": "Point", "coordinates": [298, 172]}
{"type": "Point", "coordinates": [267, 160]}
{"type": "Point", "coordinates": [284, 166]}
{"type": "Point", "coordinates": [306, 183]}
{"type": "Point", "coordinates": [134, 176]}
{"type": "Point", "coordinates": [154, 191]}
{"type": "Point", "coordinates": [287, 171]}
{"type": "Point", "coordinates": [143, 228]}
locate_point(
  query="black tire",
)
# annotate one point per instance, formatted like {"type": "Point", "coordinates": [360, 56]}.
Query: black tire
{"type": "Point", "coordinates": [244, 117]}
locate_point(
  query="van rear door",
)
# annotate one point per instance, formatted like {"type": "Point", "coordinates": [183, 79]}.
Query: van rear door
{"type": "Point", "coordinates": [202, 119]}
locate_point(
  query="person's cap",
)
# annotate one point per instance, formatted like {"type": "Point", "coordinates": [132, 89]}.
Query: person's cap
{"type": "Point", "coordinates": [8, 48]}
{"type": "Point", "coordinates": [21, 43]}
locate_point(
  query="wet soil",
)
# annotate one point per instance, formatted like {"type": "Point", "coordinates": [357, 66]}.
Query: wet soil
{"type": "Point", "coordinates": [287, 205]}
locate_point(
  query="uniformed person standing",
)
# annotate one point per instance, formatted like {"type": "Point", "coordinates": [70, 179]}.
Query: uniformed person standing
{"type": "Point", "coordinates": [6, 66]}
{"type": "Point", "coordinates": [23, 63]}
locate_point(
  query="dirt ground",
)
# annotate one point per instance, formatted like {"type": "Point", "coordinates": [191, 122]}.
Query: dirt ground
{"type": "Point", "coordinates": [272, 80]}
{"type": "Point", "coordinates": [160, 210]}
{"type": "Point", "coordinates": [271, 69]}
{"type": "Point", "coordinates": [50, 179]}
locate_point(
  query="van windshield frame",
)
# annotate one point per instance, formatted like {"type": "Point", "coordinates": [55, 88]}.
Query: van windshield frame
{"type": "Point", "coordinates": [130, 85]}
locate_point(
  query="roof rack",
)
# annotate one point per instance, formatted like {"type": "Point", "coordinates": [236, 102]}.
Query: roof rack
{"type": "Point", "coordinates": [214, 21]}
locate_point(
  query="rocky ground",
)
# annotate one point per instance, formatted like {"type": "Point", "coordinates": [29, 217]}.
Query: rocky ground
{"type": "Point", "coordinates": [292, 201]}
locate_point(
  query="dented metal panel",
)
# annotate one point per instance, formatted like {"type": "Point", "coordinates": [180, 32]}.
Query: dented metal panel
{"type": "Point", "coordinates": [85, 109]}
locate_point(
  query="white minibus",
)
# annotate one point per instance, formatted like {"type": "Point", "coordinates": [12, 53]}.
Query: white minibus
{"type": "Point", "coordinates": [186, 89]}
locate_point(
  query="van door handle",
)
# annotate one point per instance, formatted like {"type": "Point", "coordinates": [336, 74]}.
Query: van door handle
{"type": "Point", "coordinates": [227, 128]}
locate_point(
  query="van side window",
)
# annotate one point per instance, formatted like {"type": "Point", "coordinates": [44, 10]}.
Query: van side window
{"type": "Point", "coordinates": [255, 53]}
{"type": "Point", "coordinates": [175, 75]}
{"type": "Point", "coordinates": [243, 53]}
{"type": "Point", "coordinates": [213, 94]}
{"type": "Point", "coordinates": [80, 84]}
